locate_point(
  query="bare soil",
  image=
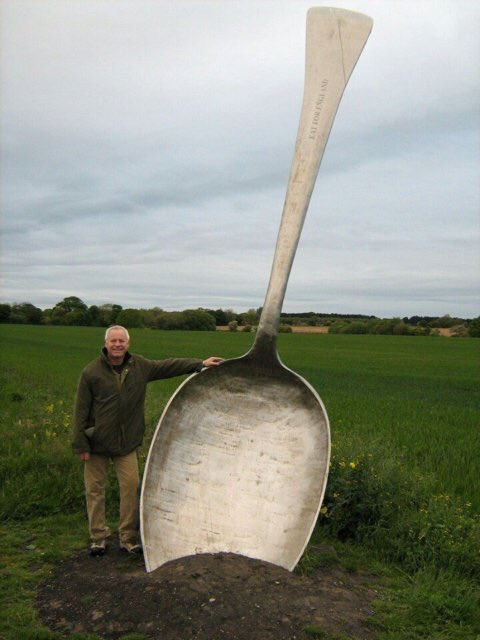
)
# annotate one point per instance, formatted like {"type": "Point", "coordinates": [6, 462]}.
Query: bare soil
{"type": "Point", "coordinates": [205, 597]}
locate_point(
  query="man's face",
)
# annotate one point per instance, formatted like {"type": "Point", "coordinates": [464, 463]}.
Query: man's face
{"type": "Point", "coordinates": [116, 344]}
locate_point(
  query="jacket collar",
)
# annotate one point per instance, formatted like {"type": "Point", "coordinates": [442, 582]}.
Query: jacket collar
{"type": "Point", "coordinates": [104, 356]}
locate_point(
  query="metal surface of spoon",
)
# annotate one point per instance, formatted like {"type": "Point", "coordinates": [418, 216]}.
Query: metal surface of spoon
{"type": "Point", "coordinates": [239, 460]}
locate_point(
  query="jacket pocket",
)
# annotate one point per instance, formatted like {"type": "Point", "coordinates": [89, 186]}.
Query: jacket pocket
{"type": "Point", "coordinates": [89, 432]}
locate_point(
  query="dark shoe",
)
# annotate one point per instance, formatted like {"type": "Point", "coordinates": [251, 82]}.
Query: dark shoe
{"type": "Point", "coordinates": [98, 548]}
{"type": "Point", "coordinates": [131, 547]}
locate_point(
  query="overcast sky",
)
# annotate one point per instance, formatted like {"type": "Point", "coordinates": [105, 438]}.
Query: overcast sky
{"type": "Point", "coordinates": [146, 147]}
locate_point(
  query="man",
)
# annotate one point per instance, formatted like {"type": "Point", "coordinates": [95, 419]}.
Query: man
{"type": "Point", "coordinates": [109, 424]}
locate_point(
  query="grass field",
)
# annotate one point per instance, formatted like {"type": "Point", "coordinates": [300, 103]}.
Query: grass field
{"type": "Point", "coordinates": [404, 486]}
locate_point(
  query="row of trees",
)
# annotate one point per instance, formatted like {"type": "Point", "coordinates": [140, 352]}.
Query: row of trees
{"type": "Point", "coordinates": [401, 327]}
{"type": "Point", "coordinates": [73, 311]}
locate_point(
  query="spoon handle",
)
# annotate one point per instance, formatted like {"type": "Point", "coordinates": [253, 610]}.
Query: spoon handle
{"type": "Point", "coordinates": [334, 41]}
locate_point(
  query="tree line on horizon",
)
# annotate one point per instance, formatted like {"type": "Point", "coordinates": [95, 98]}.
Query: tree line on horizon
{"type": "Point", "coordinates": [72, 311]}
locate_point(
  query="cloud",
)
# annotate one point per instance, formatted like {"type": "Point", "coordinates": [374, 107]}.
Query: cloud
{"type": "Point", "coordinates": [146, 148]}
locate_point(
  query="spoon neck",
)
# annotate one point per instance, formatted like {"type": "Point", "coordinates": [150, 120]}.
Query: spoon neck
{"type": "Point", "coordinates": [293, 217]}
{"type": "Point", "coordinates": [264, 348]}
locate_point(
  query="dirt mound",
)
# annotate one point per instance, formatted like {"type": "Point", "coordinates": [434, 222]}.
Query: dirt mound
{"type": "Point", "coordinates": [204, 597]}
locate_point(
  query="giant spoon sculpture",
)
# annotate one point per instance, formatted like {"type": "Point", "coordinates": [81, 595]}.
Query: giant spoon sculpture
{"type": "Point", "coordinates": [239, 460]}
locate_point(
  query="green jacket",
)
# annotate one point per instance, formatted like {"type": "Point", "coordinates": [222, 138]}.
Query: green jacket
{"type": "Point", "coordinates": [109, 407]}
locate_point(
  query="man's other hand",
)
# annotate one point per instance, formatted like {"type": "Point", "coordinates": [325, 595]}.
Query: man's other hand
{"type": "Point", "coordinates": [213, 361]}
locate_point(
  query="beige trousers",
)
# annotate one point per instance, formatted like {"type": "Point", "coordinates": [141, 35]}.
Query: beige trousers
{"type": "Point", "coordinates": [95, 475]}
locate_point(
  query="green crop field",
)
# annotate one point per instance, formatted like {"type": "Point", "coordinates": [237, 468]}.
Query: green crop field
{"type": "Point", "coordinates": [404, 485]}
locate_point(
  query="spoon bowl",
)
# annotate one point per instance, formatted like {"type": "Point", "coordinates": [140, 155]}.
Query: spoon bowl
{"type": "Point", "coordinates": [242, 472]}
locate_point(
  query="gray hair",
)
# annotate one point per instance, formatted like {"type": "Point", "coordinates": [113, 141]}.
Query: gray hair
{"type": "Point", "coordinates": [119, 327]}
